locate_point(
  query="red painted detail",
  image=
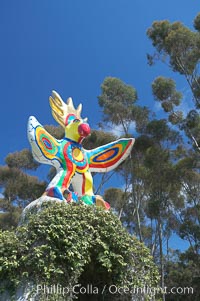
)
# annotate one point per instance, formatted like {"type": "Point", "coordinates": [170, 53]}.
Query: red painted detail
{"type": "Point", "coordinates": [84, 129]}
{"type": "Point", "coordinates": [83, 185]}
{"type": "Point", "coordinates": [82, 167]}
{"type": "Point", "coordinates": [107, 206]}
{"type": "Point", "coordinates": [69, 198]}
{"type": "Point", "coordinates": [47, 143]}
{"type": "Point", "coordinates": [51, 192]}
{"type": "Point", "coordinates": [69, 118]}
{"type": "Point", "coordinates": [70, 167]}
{"type": "Point", "coordinates": [105, 164]}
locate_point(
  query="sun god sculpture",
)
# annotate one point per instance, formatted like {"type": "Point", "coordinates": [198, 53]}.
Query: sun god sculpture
{"type": "Point", "coordinates": [73, 163]}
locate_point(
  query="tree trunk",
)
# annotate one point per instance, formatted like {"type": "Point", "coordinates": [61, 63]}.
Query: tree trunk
{"type": "Point", "coordinates": [160, 238]}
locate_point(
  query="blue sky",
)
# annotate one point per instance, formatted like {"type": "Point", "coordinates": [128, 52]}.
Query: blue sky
{"type": "Point", "coordinates": [71, 46]}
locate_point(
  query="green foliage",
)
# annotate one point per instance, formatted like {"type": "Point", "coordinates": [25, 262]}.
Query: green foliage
{"type": "Point", "coordinates": [196, 90]}
{"type": "Point", "coordinates": [164, 90]}
{"type": "Point", "coordinates": [182, 270]}
{"type": "Point", "coordinates": [161, 181]}
{"type": "Point", "coordinates": [179, 47]}
{"type": "Point", "coordinates": [19, 189]}
{"type": "Point", "coordinates": [10, 215]}
{"type": "Point", "coordinates": [98, 138]}
{"type": "Point", "coordinates": [74, 244]}
{"type": "Point", "coordinates": [160, 131]}
{"type": "Point", "coordinates": [197, 22]}
{"type": "Point", "coordinates": [56, 131]}
{"type": "Point", "coordinates": [178, 43]}
{"type": "Point", "coordinates": [117, 199]}
{"type": "Point", "coordinates": [19, 186]}
{"type": "Point", "coordinates": [189, 216]}
{"type": "Point", "coordinates": [176, 117]}
{"type": "Point", "coordinates": [9, 244]}
{"type": "Point", "coordinates": [115, 92]}
{"type": "Point", "coordinates": [192, 120]}
{"type": "Point", "coordinates": [22, 160]}
{"type": "Point", "coordinates": [117, 100]}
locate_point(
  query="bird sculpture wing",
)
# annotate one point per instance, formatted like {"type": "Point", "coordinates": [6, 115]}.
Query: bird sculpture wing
{"type": "Point", "coordinates": [109, 156]}
{"type": "Point", "coordinates": [45, 148]}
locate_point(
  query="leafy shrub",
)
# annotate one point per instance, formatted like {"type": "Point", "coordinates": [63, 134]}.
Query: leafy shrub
{"type": "Point", "coordinates": [73, 244]}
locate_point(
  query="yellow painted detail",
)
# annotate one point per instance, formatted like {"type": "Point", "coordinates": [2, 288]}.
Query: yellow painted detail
{"type": "Point", "coordinates": [49, 153]}
{"type": "Point", "coordinates": [71, 131]}
{"type": "Point", "coordinates": [88, 183]}
{"type": "Point", "coordinates": [77, 154]}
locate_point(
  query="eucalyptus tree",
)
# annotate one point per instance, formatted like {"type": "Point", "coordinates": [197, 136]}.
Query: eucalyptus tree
{"type": "Point", "coordinates": [161, 184]}
{"type": "Point", "coordinates": [120, 111]}
{"type": "Point", "coordinates": [18, 187]}
{"type": "Point", "coordinates": [178, 47]}
{"type": "Point", "coordinates": [182, 272]}
{"type": "Point", "coordinates": [188, 217]}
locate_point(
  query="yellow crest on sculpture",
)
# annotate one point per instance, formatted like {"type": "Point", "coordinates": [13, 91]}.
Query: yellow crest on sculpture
{"type": "Point", "coordinates": [60, 109]}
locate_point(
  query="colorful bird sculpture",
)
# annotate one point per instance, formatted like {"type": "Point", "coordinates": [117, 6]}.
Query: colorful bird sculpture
{"type": "Point", "coordinates": [73, 163]}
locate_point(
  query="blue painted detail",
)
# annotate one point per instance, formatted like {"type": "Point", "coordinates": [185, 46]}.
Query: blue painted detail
{"type": "Point", "coordinates": [55, 192]}
{"type": "Point", "coordinates": [47, 143]}
{"type": "Point", "coordinates": [75, 197]}
{"type": "Point", "coordinates": [93, 199]}
{"type": "Point", "coordinates": [70, 149]}
{"type": "Point", "coordinates": [70, 118]}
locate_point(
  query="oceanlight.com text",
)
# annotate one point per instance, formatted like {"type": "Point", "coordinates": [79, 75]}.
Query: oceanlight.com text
{"type": "Point", "coordinates": [90, 289]}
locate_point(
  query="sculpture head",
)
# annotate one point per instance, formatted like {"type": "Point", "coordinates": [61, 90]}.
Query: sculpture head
{"type": "Point", "coordinates": [69, 118]}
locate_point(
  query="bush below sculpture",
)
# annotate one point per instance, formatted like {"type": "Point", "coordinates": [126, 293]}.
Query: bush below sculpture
{"type": "Point", "coordinates": [73, 244]}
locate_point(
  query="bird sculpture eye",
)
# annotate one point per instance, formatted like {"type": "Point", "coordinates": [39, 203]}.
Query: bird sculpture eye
{"type": "Point", "coordinates": [76, 120]}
